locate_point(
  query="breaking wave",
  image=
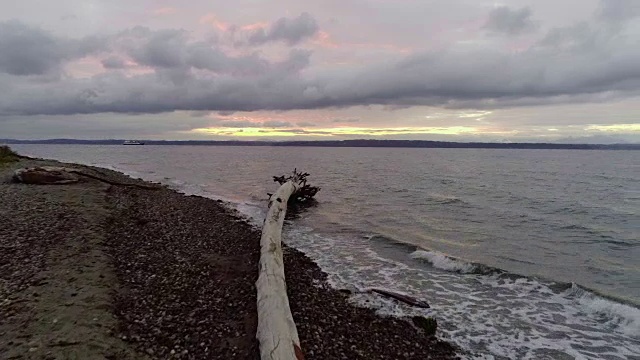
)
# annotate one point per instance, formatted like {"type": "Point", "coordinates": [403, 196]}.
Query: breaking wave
{"type": "Point", "coordinates": [612, 313]}
{"type": "Point", "coordinates": [445, 262]}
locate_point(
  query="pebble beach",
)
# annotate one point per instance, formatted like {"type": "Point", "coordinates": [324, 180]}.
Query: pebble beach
{"type": "Point", "coordinates": [98, 271]}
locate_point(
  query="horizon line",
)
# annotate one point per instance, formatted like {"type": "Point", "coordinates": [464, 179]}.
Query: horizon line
{"type": "Point", "coordinates": [328, 143]}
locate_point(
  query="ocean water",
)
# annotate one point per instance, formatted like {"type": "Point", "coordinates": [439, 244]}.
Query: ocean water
{"type": "Point", "coordinates": [522, 254]}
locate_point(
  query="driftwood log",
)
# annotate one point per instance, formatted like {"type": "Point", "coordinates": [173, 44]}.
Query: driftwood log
{"type": "Point", "coordinates": [277, 333]}
{"type": "Point", "coordinates": [58, 175]}
{"type": "Point", "coordinates": [45, 175]}
{"type": "Point", "coordinates": [407, 299]}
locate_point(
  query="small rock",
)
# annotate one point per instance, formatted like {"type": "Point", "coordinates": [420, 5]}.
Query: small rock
{"type": "Point", "coordinates": [429, 325]}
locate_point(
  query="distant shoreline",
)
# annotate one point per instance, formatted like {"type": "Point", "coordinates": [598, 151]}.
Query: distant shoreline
{"type": "Point", "coordinates": [341, 143]}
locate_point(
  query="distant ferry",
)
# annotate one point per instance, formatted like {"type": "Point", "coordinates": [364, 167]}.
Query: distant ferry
{"type": "Point", "coordinates": [132, 142]}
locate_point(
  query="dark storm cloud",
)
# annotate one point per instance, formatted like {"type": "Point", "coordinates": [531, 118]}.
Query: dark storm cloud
{"type": "Point", "coordinates": [113, 62]}
{"type": "Point", "coordinates": [291, 31]}
{"type": "Point", "coordinates": [616, 10]}
{"type": "Point", "coordinates": [198, 114]}
{"type": "Point", "coordinates": [162, 48]}
{"type": "Point", "coordinates": [511, 22]}
{"type": "Point", "coordinates": [566, 65]}
{"type": "Point", "coordinates": [172, 49]}
{"type": "Point", "coordinates": [26, 50]}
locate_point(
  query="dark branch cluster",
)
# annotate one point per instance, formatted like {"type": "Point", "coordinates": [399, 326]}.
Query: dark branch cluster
{"type": "Point", "coordinates": [299, 177]}
{"type": "Point", "coordinates": [303, 197]}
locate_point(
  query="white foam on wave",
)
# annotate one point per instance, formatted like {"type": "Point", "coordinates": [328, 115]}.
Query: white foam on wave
{"type": "Point", "coordinates": [253, 212]}
{"type": "Point", "coordinates": [444, 262]}
{"type": "Point", "coordinates": [489, 316]}
{"type": "Point", "coordinates": [622, 316]}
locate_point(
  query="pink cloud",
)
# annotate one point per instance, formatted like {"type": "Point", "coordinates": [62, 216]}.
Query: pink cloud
{"type": "Point", "coordinates": [85, 67]}
{"type": "Point", "coordinates": [212, 20]}
{"type": "Point", "coordinates": [165, 11]}
{"type": "Point", "coordinates": [324, 39]}
{"type": "Point", "coordinates": [254, 26]}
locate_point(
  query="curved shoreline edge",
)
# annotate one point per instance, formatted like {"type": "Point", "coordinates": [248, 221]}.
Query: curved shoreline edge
{"type": "Point", "coordinates": [158, 274]}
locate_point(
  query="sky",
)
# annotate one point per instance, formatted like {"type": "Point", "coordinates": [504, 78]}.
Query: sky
{"type": "Point", "coordinates": [456, 70]}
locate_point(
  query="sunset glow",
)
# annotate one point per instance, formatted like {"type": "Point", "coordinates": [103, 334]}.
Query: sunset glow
{"type": "Point", "coordinates": [455, 70]}
{"type": "Point", "coordinates": [339, 131]}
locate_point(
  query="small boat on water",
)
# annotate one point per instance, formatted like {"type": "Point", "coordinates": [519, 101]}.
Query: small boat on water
{"type": "Point", "coordinates": [132, 142]}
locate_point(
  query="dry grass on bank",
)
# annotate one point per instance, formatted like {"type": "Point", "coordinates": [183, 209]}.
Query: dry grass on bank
{"type": "Point", "coordinates": [7, 155]}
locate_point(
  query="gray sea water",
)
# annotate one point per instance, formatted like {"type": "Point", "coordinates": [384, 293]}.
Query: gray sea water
{"type": "Point", "coordinates": [522, 254]}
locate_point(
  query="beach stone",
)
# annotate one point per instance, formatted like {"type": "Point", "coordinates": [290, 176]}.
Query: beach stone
{"type": "Point", "coordinates": [429, 325]}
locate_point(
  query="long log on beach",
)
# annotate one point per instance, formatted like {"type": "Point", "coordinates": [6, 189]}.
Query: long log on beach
{"type": "Point", "coordinates": [407, 299]}
{"type": "Point", "coordinates": [59, 175]}
{"type": "Point", "coordinates": [277, 333]}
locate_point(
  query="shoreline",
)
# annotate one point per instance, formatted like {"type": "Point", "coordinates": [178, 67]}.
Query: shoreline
{"type": "Point", "coordinates": [178, 274]}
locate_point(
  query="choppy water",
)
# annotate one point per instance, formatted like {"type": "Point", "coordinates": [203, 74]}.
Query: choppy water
{"type": "Point", "coordinates": [522, 254]}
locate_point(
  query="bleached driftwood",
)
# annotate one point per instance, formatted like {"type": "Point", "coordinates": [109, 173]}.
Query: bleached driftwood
{"type": "Point", "coordinates": [59, 175]}
{"type": "Point", "coordinates": [45, 175]}
{"type": "Point", "coordinates": [277, 331]}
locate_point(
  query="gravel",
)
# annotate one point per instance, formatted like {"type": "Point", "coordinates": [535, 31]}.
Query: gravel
{"type": "Point", "coordinates": [187, 271]}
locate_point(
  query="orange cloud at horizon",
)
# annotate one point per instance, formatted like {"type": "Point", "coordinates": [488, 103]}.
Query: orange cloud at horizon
{"type": "Point", "coordinates": [255, 130]}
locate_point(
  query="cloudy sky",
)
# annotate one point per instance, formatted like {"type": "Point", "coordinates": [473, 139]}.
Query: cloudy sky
{"type": "Point", "coordinates": [516, 70]}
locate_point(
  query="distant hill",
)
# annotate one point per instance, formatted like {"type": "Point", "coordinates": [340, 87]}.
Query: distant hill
{"type": "Point", "coordinates": [345, 143]}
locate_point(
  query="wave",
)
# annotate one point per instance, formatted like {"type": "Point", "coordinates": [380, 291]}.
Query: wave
{"type": "Point", "coordinates": [613, 312]}
{"type": "Point", "coordinates": [445, 262]}
{"type": "Point", "coordinates": [477, 309]}
{"type": "Point", "coordinates": [444, 199]}
{"type": "Point", "coordinates": [617, 314]}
